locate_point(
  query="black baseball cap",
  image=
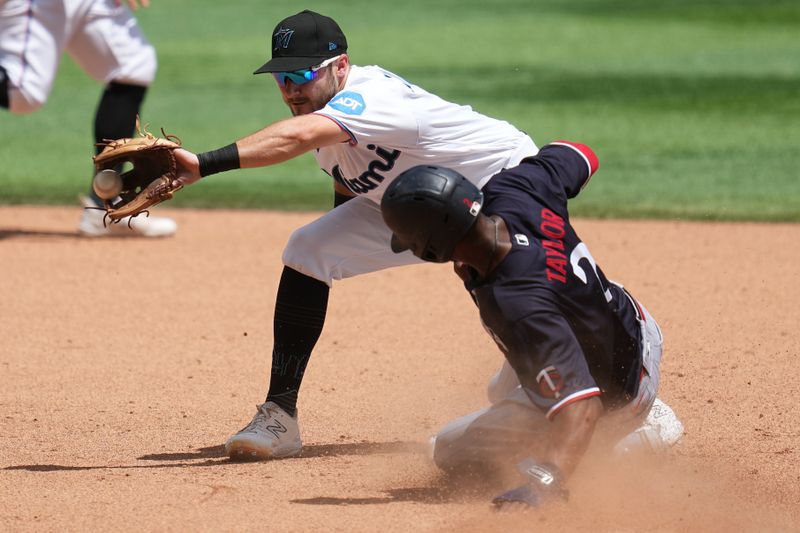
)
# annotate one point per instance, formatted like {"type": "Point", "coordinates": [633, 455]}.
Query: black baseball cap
{"type": "Point", "coordinates": [302, 41]}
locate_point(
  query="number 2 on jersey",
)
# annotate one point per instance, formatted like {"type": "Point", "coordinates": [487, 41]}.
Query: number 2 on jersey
{"type": "Point", "coordinates": [582, 252]}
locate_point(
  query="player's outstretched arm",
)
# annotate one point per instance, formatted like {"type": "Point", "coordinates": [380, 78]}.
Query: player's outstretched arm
{"type": "Point", "coordinates": [570, 436]}
{"type": "Point", "coordinates": [287, 139]}
{"type": "Point", "coordinates": [274, 144]}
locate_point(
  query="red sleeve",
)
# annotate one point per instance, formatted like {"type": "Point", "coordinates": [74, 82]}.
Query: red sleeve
{"type": "Point", "coordinates": [587, 153]}
{"type": "Point", "coordinates": [572, 164]}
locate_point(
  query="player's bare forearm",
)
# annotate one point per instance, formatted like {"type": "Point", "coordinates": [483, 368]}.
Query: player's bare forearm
{"type": "Point", "coordinates": [572, 432]}
{"type": "Point", "coordinates": [276, 143]}
{"type": "Point", "coordinates": [288, 139]}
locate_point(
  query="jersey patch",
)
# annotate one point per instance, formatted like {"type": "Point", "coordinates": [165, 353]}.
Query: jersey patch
{"type": "Point", "coordinates": [348, 102]}
{"type": "Point", "coordinates": [550, 383]}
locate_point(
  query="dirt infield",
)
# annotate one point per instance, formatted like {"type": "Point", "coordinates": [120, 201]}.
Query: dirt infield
{"type": "Point", "coordinates": [126, 363]}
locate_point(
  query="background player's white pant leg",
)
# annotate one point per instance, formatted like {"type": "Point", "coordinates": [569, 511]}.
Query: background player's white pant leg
{"type": "Point", "coordinates": [349, 240]}
{"type": "Point", "coordinates": [110, 45]}
{"type": "Point", "coordinates": [32, 39]}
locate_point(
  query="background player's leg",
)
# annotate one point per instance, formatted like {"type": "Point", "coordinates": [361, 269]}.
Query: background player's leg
{"type": "Point", "coordinates": [3, 88]}
{"type": "Point", "coordinates": [109, 45]}
{"type": "Point", "coordinates": [115, 117]}
{"type": "Point", "coordinates": [32, 37]}
{"type": "Point", "coordinates": [300, 309]}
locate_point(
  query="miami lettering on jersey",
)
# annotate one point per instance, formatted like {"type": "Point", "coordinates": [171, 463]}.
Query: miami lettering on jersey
{"type": "Point", "coordinates": [371, 178]}
{"type": "Point", "coordinates": [348, 102]}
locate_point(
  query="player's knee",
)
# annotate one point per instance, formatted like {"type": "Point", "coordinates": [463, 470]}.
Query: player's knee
{"type": "Point", "coordinates": [301, 244]}
{"type": "Point", "coordinates": [456, 455]}
{"type": "Point", "coordinates": [150, 65]}
{"type": "Point", "coordinates": [441, 452]}
{"type": "Point", "coordinates": [303, 253]}
{"type": "Point", "coordinates": [141, 70]}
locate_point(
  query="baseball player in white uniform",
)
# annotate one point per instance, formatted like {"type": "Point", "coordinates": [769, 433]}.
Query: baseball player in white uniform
{"type": "Point", "coordinates": [365, 126]}
{"type": "Point", "coordinates": [104, 39]}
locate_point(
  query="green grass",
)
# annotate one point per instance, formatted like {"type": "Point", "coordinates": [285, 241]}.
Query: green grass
{"type": "Point", "coordinates": [693, 108]}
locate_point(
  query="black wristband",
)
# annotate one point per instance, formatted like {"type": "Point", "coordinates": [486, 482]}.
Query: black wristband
{"type": "Point", "coordinates": [219, 160]}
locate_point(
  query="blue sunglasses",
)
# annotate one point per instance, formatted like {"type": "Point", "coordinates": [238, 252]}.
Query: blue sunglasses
{"type": "Point", "coordinates": [302, 76]}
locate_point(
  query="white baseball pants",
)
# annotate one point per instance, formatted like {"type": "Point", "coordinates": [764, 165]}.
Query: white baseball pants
{"type": "Point", "coordinates": [349, 240]}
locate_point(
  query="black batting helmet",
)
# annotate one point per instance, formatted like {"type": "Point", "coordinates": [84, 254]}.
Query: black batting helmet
{"type": "Point", "coordinates": [429, 210]}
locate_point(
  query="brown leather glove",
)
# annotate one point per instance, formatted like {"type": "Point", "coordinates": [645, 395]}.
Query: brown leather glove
{"type": "Point", "coordinates": [151, 179]}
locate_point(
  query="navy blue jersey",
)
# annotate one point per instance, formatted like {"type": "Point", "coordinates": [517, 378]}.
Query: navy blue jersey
{"type": "Point", "coordinates": [568, 333]}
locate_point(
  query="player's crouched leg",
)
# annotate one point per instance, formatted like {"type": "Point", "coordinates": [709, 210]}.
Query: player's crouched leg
{"type": "Point", "coordinates": [493, 438]}
{"type": "Point", "coordinates": [658, 428]}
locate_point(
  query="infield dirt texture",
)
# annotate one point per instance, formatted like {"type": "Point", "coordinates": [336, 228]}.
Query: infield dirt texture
{"type": "Point", "coordinates": [125, 364]}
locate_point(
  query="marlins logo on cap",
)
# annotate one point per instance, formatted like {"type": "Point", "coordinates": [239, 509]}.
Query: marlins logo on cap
{"type": "Point", "coordinates": [282, 37]}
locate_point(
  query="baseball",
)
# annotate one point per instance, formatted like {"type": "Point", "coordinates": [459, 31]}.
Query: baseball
{"type": "Point", "coordinates": [107, 184]}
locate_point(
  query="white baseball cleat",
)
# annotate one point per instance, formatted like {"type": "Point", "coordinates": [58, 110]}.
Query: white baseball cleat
{"type": "Point", "coordinates": [661, 430]}
{"type": "Point", "coordinates": [270, 435]}
{"type": "Point", "coordinates": [91, 224]}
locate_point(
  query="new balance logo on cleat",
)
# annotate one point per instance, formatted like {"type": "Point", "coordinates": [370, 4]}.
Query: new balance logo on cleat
{"type": "Point", "coordinates": [276, 428]}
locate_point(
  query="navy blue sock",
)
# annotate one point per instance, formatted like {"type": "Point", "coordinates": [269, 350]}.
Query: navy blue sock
{"type": "Point", "coordinates": [300, 309]}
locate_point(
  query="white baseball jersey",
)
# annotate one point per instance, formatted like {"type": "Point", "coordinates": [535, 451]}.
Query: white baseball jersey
{"type": "Point", "coordinates": [103, 39]}
{"type": "Point", "coordinates": [395, 125]}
